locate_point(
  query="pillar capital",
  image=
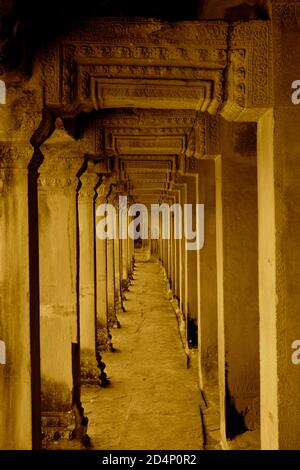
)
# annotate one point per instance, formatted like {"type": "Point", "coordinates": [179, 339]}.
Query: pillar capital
{"type": "Point", "coordinates": [15, 155]}
{"type": "Point", "coordinates": [87, 190]}
{"type": "Point", "coordinates": [60, 167]}
{"type": "Point", "coordinates": [102, 190]}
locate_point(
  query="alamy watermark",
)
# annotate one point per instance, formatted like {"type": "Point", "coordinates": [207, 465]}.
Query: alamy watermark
{"type": "Point", "coordinates": [162, 221]}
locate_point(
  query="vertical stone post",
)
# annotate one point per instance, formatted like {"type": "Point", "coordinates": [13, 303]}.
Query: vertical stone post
{"type": "Point", "coordinates": [110, 266]}
{"type": "Point", "coordinates": [124, 252]}
{"type": "Point", "coordinates": [279, 235]}
{"type": "Point", "coordinates": [15, 372]}
{"type": "Point", "coordinates": [87, 276]}
{"type": "Point", "coordinates": [118, 298]}
{"type": "Point", "coordinates": [237, 262]}
{"type": "Point", "coordinates": [208, 312]}
{"type": "Point", "coordinates": [103, 334]}
{"type": "Point", "coordinates": [58, 257]}
{"type": "Point", "coordinates": [130, 251]}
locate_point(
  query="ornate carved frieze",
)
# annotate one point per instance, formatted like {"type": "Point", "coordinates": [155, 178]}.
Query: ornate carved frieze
{"type": "Point", "coordinates": [82, 70]}
{"type": "Point", "coordinates": [249, 83]}
{"type": "Point", "coordinates": [113, 63]}
{"type": "Point", "coordinates": [152, 119]}
{"type": "Point", "coordinates": [162, 145]}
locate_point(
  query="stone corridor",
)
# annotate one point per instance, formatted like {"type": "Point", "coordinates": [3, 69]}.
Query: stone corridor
{"type": "Point", "coordinates": [174, 131]}
{"type": "Point", "coordinates": [152, 401]}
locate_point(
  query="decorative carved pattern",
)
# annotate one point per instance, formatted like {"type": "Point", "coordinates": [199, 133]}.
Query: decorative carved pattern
{"type": "Point", "coordinates": [200, 142]}
{"type": "Point", "coordinates": [162, 145]}
{"type": "Point", "coordinates": [68, 74]}
{"type": "Point", "coordinates": [87, 190]}
{"type": "Point", "coordinates": [212, 135]}
{"type": "Point", "coordinates": [154, 131]}
{"type": "Point", "coordinates": [102, 62]}
{"type": "Point", "coordinates": [154, 92]}
{"type": "Point", "coordinates": [249, 83]}
{"type": "Point", "coordinates": [237, 60]}
{"type": "Point", "coordinates": [134, 49]}
{"type": "Point", "coordinates": [15, 155]}
{"type": "Point", "coordinates": [60, 167]}
{"type": "Point", "coordinates": [57, 425]}
{"type": "Point", "coordinates": [52, 182]}
{"type": "Point", "coordinates": [140, 54]}
{"type": "Point", "coordinates": [50, 68]}
{"type": "Point", "coordinates": [143, 118]}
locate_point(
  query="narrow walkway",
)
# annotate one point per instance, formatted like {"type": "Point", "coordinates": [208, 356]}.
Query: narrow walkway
{"type": "Point", "coordinates": [152, 402]}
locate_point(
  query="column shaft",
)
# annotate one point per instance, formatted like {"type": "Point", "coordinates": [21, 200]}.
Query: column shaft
{"type": "Point", "coordinates": [15, 373]}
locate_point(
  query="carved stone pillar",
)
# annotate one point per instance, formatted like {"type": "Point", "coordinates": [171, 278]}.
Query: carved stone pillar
{"type": "Point", "coordinates": [87, 285]}
{"type": "Point", "coordinates": [118, 298]}
{"type": "Point", "coordinates": [58, 260]}
{"type": "Point", "coordinates": [124, 252]}
{"type": "Point", "coordinates": [103, 334]}
{"type": "Point", "coordinates": [237, 277]}
{"type": "Point", "coordinates": [279, 235]}
{"type": "Point", "coordinates": [208, 313]}
{"type": "Point", "coordinates": [16, 373]}
{"type": "Point", "coordinates": [130, 250]}
{"type": "Point", "coordinates": [110, 266]}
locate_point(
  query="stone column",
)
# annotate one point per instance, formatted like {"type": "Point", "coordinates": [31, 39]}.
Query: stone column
{"type": "Point", "coordinates": [58, 259]}
{"type": "Point", "coordinates": [130, 252]}
{"type": "Point", "coordinates": [118, 298]}
{"type": "Point", "coordinates": [87, 275]}
{"type": "Point", "coordinates": [16, 373]}
{"type": "Point", "coordinates": [110, 266]}
{"type": "Point", "coordinates": [237, 274]}
{"type": "Point", "coordinates": [208, 311]}
{"type": "Point", "coordinates": [172, 241]}
{"type": "Point", "coordinates": [124, 257]}
{"type": "Point", "coordinates": [192, 272]}
{"type": "Point", "coordinates": [279, 235]}
{"type": "Point", "coordinates": [103, 334]}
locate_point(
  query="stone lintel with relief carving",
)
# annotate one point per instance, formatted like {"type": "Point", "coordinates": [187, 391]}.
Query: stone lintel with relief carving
{"type": "Point", "coordinates": [151, 64]}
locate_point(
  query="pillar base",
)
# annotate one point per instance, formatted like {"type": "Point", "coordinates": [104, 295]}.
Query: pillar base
{"type": "Point", "coordinates": [125, 285]}
{"type": "Point", "coordinates": [89, 373]}
{"type": "Point", "coordinates": [57, 425]}
{"type": "Point", "coordinates": [103, 380]}
{"type": "Point", "coordinates": [119, 306]}
{"type": "Point", "coordinates": [180, 319]}
{"type": "Point", "coordinates": [104, 339]}
{"type": "Point", "coordinates": [64, 425]}
{"type": "Point", "coordinates": [113, 321]}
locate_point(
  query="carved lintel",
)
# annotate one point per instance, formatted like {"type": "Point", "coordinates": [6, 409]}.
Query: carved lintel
{"type": "Point", "coordinates": [100, 65]}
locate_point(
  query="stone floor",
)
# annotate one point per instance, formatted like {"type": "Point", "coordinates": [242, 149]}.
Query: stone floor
{"type": "Point", "coordinates": [153, 400]}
